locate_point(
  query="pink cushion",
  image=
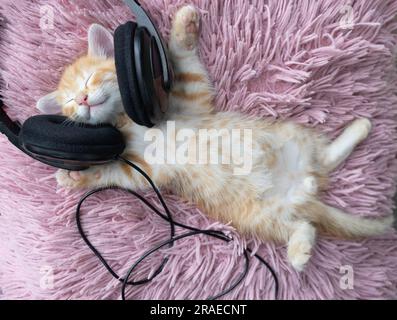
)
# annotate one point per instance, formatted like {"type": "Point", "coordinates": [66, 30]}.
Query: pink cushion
{"type": "Point", "coordinates": [294, 61]}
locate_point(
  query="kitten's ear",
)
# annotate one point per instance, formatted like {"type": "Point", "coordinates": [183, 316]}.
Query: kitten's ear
{"type": "Point", "coordinates": [100, 42]}
{"type": "Point", "coordinates": [49, 104]}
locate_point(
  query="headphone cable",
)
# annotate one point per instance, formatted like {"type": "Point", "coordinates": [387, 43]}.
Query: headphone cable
{"type": "Point", "coordinates": [167, 217]}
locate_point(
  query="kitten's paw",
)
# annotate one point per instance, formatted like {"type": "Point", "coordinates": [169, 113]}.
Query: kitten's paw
{"type": "Point", "coordinates": [310, 185]}
{"type": "Point", "coordinates": [361, 127]}
{"type": "Point", "coordinates": [299, 254]}
{"type": "Point", "coordinates": [67, 179]}
{"type": "Point", "coordinates": [186, 26]}
{"type": "Point", "coordinates": [75, 179]}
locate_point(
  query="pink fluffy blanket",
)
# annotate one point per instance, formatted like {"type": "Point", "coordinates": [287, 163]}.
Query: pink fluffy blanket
{"type": "Point", "coordinates": [321, 63]}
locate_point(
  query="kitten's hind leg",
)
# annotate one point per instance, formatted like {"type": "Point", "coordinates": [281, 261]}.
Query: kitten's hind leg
{"type": "Point", "coordinates": [300, 244]}
{"type": "Point", "coordinates": [343, 145]}
{"type": "Point", "coordinates": [192, 88]}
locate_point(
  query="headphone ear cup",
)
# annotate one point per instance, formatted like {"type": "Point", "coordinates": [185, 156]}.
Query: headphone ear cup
{"type": "Point", "coordinates": [144, 72]}
{"type": "Point", "coordinates": [124, 42]}
{"type": "Point", "coordinates": [161, 93]}
{"type": "Point", "coordinates": [47, 137]}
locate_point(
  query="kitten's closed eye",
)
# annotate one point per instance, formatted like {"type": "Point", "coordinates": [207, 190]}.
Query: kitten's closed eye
{"type": "Point", "coordinates": [88, 79]}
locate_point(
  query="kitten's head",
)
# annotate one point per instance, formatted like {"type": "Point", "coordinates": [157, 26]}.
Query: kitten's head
{"type": "Point", "coordinates": [88, 91]}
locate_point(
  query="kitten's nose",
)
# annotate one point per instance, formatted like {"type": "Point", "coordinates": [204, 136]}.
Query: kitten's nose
{"type": "Point", "coordinates": [82, 99]}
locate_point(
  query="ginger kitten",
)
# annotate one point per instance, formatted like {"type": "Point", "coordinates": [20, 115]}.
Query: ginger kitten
{"type": "Point", "coordinates": [275, 199]}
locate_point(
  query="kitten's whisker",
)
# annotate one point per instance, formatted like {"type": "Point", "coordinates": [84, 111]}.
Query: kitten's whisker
{"type": "Point", "coordinates": [71, 121]}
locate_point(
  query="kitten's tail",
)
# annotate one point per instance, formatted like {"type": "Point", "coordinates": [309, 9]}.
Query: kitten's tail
{"type": "Point", "coordinates": [334, 222]}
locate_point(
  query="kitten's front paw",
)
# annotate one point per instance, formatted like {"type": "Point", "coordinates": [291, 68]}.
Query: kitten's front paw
{"type": "Point", "coordinates": [299, 254]}
{"type": "Point", "coordinates": [186, 26]}
{"type": "Point", "coordinates": [75, 179]}
{"type": "Point", "coordinates": [67, 179]}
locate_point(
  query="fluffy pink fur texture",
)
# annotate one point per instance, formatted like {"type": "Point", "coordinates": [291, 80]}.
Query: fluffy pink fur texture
{"type": "Point", "coordinates": [282, 59]}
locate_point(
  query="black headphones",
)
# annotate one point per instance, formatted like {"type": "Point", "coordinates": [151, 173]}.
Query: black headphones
{"type": "Point", "coordinates": [145, 78]}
